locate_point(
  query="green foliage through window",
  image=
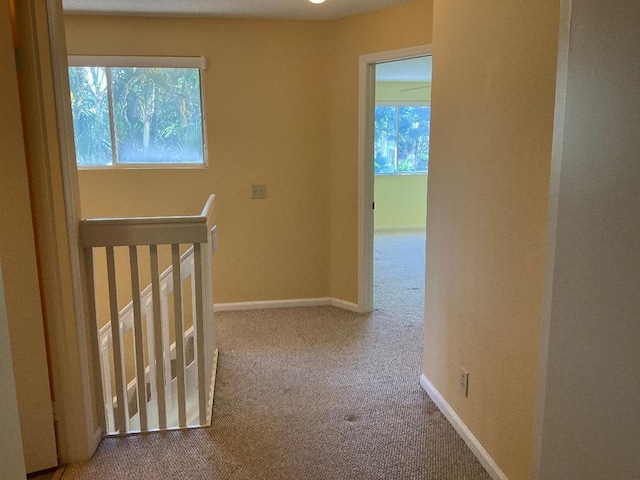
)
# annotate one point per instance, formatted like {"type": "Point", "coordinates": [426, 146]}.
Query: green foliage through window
{"type": "Point", "coordinates": [135, 115]}
{"type": "Point", "coordinates": [401, 139]}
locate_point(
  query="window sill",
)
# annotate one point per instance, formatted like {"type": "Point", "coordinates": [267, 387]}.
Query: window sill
{"type": "Point", "coordinates": [138, 166]}
{"type": "Point", "coordinates": [401, 174]}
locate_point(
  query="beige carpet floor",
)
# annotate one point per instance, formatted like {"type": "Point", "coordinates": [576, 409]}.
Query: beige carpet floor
{"type": "Point", "coordinates": [398, 274]}
{"type": "Point", "coordinates": [313, 393]}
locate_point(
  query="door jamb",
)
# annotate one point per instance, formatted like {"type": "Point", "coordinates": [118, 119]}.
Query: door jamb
{"type": "Point", "coordinates": [54, 188]}
{"type": "Point", "coordinates": [366, 101]}
{"type": "Point", "coordinates": [80, 435]}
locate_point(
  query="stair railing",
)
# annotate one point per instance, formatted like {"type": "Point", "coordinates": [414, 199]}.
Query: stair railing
{"type": "Point", "coordinates": [166, 377]}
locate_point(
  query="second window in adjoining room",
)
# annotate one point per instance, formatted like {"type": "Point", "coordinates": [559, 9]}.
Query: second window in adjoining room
{"type": "Point", "coordinates": [401, 140]}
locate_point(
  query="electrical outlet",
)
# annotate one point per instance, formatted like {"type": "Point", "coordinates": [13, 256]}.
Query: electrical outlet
{"type": "Point", "coordinates": [258, 191]}
{"type": "Point", "coordinates": [464, 382]}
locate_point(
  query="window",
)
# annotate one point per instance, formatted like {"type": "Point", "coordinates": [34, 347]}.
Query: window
{"type": "Point", "coordinates": [137, 111]}
{"type": "Point", "coordinates": [401, 139]}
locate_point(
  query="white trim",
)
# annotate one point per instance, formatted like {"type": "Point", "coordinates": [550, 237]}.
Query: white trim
{"type": "Point", "coordinates": [403, 103]}
{"type": "Point", "coordinates": [136, 61]}
{"type": "Point", "coordinates": [365, 169]}
{"type": "Point", "coordinates": [96, 439]}
{"type": "Point", "coordinates": [402, 174]}
{"type": "Point", "coordinates": [472, 442]}
{"type": "Point", "coordinates": [111, 232]}
{"type": "Point", "coordinates": [298, 302]}
{"type": "Point", "coordinates": [150, 166]}
{"type": "Point", "coordinates": [75, 432]}
{"type": "Point", "coordinates": [564, 39]}
{"type": "Point", "coordinates": [131, 433]}
{"type": "Point", "coordinates": [291, 303]}
{"type": "Point", "coordinates": [399, 54]}
{"type": "Point", "coordinates": [402, 228]}
{"type": "Point", "coordinates": [212, 387]}
{"type": "Point", "coordinates": [366, 104]}
{"type": "Point", "coordinates": [336, 302]}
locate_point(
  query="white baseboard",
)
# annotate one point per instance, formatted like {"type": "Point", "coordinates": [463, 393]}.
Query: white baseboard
{"type": "Point", "coordinates": [95, 441]}
{"type": "Point", "coordinates": [336, 302]}
{"type": "Point", "coordinates": [472, 442]}
{"type": "Point", "coordinates": [297, 302]}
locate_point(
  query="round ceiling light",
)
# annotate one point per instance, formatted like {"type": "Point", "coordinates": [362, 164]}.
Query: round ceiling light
{"type": "Point", "coordinates": [316, 1]}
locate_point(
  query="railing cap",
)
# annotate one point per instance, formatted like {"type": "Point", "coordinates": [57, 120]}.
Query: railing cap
{"type": "Point", "coordinates": [128, 231]}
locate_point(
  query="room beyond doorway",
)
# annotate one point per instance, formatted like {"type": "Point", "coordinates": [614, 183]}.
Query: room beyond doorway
{"type": "Point", "coordinates": [384, 156]}
{"type": "Point", "coordinates": [398, 271]}
{"type": "Point", "coordinates": [401, 124]}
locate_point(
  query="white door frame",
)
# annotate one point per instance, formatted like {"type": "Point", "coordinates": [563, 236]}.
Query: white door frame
{"type": "Point", "coordinates": [78, 434]}
{"type": "Point", "coordinates": [54, 189]}
{"type": "Point", "coordinates": [366, 103]}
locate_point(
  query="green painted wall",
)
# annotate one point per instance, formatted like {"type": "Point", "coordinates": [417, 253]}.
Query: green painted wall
{"type": "Point", "coordinates": [401, 202]}
{"type": "Point", "coordinates": [403, 91]}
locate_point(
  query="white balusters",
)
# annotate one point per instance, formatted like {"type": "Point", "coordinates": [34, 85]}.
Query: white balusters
{"type": "Point", "coordinates": [137, 333]}
{"type": "Point", "coordinates": [158, 338]}
{"type": "Point", "coordinates": [174, 401]}
{"type": "Point", "coordinates": [93, 332]}
{"type": "Point", "coordinates": [179, 323]}
{"type": "Point", "coordinates": [118, 354]}
{"type": "Point", "coordinates": [105, 348]}
{"type": "Point", "coordinates": [200, 335]}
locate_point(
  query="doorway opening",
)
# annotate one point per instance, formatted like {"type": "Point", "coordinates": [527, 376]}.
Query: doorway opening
{"type": "Point", "coordinates": [395, 112]}
{"type": "Point", "coordinates": [402, 114]}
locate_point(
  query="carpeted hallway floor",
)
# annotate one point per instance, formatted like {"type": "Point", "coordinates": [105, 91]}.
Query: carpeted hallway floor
{"type": "Point", "coordinates": [398, 274]}
{"type": "Point", "coordinates": [313, 393]}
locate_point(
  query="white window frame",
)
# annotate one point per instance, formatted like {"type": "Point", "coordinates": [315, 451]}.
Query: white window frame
{"type": "Point", "coordinates": [111, 61]}
{"type": "Point", "coordinates": [414, 103]}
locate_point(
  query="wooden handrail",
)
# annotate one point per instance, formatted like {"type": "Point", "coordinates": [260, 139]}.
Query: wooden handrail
{"type": "Point", "coordinates": [207, 211]}
{"type": "Point", "coordinates": [113, 232]}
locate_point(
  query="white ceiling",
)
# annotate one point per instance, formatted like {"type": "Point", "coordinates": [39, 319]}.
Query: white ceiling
{"type": "Point", "coordinates": [410, 70]}
{"type": "Point", "coordinates": [275, 9]}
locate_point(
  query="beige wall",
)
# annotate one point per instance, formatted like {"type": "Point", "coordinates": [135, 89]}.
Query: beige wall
{"type": "Point", "coordinates": [494, 67]}
{"type": "Point", "coordinates": [401, 201]}
{"type": "Point", "coordinates": [18, 257]}
{"type": "Point", "coordinates": [279, 114]}
{"type": "Point", "coordinates": [265, 114]}
{"type": "Point", "coordinates": [352, 37]}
